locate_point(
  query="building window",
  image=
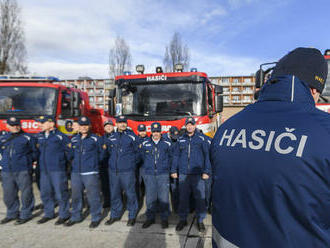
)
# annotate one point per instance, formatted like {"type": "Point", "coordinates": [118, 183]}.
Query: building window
{"type": "Point", "coordinates": [236, 99]}
{"type": "Point", "coordinates": [225, 80]}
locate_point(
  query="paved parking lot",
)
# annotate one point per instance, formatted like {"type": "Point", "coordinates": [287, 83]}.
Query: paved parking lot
{"type": "Point", "coordinates": [117, 235]}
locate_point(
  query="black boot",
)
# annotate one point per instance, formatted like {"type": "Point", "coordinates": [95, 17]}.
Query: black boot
{"type": "Point", "coordinates": [148, 223]}
{"type": "Point", "coordinates": [181, 225]}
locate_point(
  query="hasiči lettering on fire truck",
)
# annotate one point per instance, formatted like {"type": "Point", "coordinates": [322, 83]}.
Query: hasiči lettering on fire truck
{"type": "Point", "coordinates": [285, 142]}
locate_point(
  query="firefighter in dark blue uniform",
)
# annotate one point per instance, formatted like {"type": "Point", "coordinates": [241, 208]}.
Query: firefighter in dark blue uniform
{"type": "Point", "coordinates": [142, 136]}
{"type": "Point", "coordinates": [271, 163]}
{"type": "Point", "coordinates": [104, 173]}
{"type": "Point", "coordinates": [87, 152]}
{"type": "Point", "coordinates": [191, 161]}
{"type": "Point", "coordinates": [53, 156]}
{"type": "Point", "coordinates": [122, 148]}
{"type": "Point", "coordinates": [156, 154]}
{"type": "Point", "coordinates": [17, 151]}
{"type": "Point", "coordinates": [172, 136]}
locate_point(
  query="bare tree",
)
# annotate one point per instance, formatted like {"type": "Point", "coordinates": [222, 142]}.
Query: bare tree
{"type": "Point", "coordinates": [12, 47]}
{"type": "Point", "coordinates": [120, 58]}
{"type": "Point", "coordinates": [176, 52]}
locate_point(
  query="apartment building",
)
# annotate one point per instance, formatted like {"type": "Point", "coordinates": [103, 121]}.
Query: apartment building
{"type": "Point", "coordinates": [237, 90]}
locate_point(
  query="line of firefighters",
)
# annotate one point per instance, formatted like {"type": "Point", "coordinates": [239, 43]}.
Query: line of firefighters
{"type": "Point", "coordinates": [116, 163]}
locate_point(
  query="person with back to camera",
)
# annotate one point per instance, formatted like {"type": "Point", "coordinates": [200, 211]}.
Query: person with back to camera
{"type": "Point", "coordinates": [271, 163]}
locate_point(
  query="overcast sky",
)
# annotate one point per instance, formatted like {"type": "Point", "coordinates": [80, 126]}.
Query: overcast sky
{"type": "Point", "coordinates": [69, 39]}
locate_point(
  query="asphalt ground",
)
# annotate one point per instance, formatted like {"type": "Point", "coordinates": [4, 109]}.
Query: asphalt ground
{"type": "Point", "coordinates": [117, 235]}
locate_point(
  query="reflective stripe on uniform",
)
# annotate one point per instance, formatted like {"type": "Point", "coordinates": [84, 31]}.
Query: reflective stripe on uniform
{"type": "Point", "coordinates": [220, 241]}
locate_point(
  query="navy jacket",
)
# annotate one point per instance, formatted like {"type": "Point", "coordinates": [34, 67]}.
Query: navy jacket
{"type": "Point", "coordinates": [156, 157]}
{"type": "Point", "coordinates": [105, 155]}
{"type": "Point", "coordinates": [54, 151]}
{"type": "Point", "coordinates": [122, 149]}
{"type": "Point", "coordinates": [17, 152]}
{"type": "Point", "coordinates": [191, 155]}
{"type": "Point", "coordinates": [87, 153]}
{"type": "Point", "coordinates": [271, 167]}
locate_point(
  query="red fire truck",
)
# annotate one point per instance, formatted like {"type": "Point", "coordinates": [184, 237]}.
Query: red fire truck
{"type": "Point", "coordinates": [167, 98]}
{"type": "Point", "coordinates": [324, 100]}
{"type": "Point", "coordinates": [30, 97]}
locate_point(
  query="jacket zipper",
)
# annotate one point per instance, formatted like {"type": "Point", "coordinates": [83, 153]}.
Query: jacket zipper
{"type": "Point", "coordinates": [80, 154]}
{"type": "Point", "coordinates": [10, 156]}
{"type": "Point", "coordinates": [189, 154]}
{"type": "Point", "coordinates": [119, 147]}
{"type": "Point", "coordinates": [155, 164]}
{"type": "Point", "coordinates": [44, 157]}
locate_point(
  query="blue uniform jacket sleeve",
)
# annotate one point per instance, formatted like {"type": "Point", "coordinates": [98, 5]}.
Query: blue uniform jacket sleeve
{"type": "Point", "coordinates": [67, 147]}
{"type": "Point", "coordinates": [207, 164]}
{"type": "Point", "coordinates": [33, 148]}
{"type": "Point", "coordinates": [101, 147]}
{"type": "Point", "coordinates": [175, 157]}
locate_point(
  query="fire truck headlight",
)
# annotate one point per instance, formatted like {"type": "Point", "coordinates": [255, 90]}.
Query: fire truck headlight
{"type": "Point", "coordinates": [140, 69]}
{"type": "Point", "coordinates": [327, 52]}
{"type": "Point", "coordinates": [159, 69]}
{"type": "Point", "coordinates": [178, 67]}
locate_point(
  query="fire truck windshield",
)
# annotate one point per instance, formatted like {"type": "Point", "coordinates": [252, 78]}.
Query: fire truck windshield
{"type": "Point", "coordinates": [27, 101]}
{"type": "Point", "coordinates": [165, 99]}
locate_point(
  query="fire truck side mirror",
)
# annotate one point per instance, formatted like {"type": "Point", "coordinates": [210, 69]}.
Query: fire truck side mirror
{"type": "Point", "coordinates": [111, 107]}
{"type": "Point", "coordinates": [260, 78]}
{"type": "Point", "coordinates": [112, 93]}
{"type": "Point", "coordinates": [218, 91]}
{"type": "Point", "coordinates": [75, 103]}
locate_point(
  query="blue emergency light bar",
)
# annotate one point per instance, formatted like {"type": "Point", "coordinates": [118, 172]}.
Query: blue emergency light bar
{"type": "Point", "coordinates": [28, 78]}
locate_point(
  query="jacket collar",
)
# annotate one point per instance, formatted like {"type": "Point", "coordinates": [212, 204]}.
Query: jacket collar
{"type": "Point", "coordinates": [287, 88]}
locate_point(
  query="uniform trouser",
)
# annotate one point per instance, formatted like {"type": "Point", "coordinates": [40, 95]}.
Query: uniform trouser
{"type": "Point", "coordinates": [139, 180]}
{"type": "Point", "coordinates": [191, 184]}
{"type": "Point", "coordinates": [174, 194]}
{"type": "Point", "coordinates": [92, 185]}
{"type": "Point", "coordinates": [157, 191]}
{"type": "Point", "coordinates": [208, 186]}
{"type": "Point", "coordinates": [119, 182]}
{"type": "Point", "coordinates": [12, 182]}
{"type": "Point", "coordinates": [54, 186]}
{"type": "Point", "coordinates": [105, 185]}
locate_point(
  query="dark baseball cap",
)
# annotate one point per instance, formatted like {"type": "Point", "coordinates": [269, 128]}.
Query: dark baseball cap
{"type": "Point", "coordinates": [121, 119]}
{"type": "Point", "coordinates": [13, 121]}
{"type": "Point", "coordinates": [190, 120]}
{"type": "Point", "coordinates": [84, 121]}
{"type": "Point", "coordinates": [308, 64]}
{"type": "Point", "coordinates": [108, 122]}
{"type": "Point", "coordinates": [44, 118]}
{"type": "Point", "coordinates": [174, 132]}
{"type": "Point", "coordinates": [142, 128]}
{"type": "Point", "coordinates": [156, 127]}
